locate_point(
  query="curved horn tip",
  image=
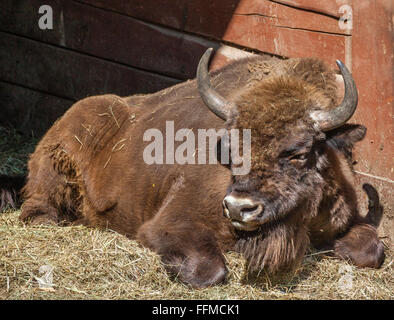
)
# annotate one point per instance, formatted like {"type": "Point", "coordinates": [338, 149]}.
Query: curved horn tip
{"type": "Point", "coordinates": [207, 54]}
{"type": "Point", "coordinates": [332, 119]}
{"type": "Point", "coordinates": [212, 99]}
{"type": "Point", "coordinates": [209, 50]}
{"type": "Point", "coordinates": [202, 67]}
{"type": "Point", "coordinates": [341, 65]}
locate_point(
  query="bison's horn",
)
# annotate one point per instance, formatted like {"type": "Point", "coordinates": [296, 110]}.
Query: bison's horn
{"type": "Point", "coordinates": [214, 101]}
{"type": "Point", "coordinates": [331, 119]}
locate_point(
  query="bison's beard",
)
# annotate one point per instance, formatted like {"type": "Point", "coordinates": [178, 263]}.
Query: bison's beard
{"type": "Point", "coordinates": [281, 243]}
{"type": "Point", "coordinates": [278, 249]}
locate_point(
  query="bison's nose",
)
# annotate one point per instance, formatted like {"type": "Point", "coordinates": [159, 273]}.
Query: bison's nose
{"type": "Point", "coordinates": [242, 209]}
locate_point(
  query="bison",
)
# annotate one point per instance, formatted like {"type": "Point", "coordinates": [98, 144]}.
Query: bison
{"type": "Point", "coordinates": [88, 169]}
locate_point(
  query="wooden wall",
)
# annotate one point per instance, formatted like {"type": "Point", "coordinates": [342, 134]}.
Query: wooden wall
{"type": "Point", "coordinates": [139, 46]}
{"type": "Point", "coordinates": [90, 51]}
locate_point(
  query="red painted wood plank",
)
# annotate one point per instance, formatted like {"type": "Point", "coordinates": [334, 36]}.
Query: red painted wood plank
{"type": "Point", "coordinates": [262, 25]}
{"type": "Point", "coordinates": [226, 54]}
{"type": "Point", "coordinates": [328, 7]}
{"type": "Point", "coordinates": [253, 32]}
{"type": "Point", "coordinates": [68, 74]}
{"type": "Point", "coordinates": [108, 35]}
{"type": "Point", "coordinates": [373, 66]}
{"type": "Point", "coordinates": [211, 17]}
{"type": "Point", "coordinates": [278, 14]}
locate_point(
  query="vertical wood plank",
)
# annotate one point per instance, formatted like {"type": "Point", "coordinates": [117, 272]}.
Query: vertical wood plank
{"type": "Point", "coordinates": [373, 68]}
{"type": "Point", "coordinates": [373, 73]}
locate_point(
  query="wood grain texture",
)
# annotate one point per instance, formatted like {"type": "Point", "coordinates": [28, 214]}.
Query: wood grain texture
{"type": "Point", "coordinates": [204, 17]}
{"type": "Point", "coordinates": [253, 32]}
{"type": "Point", "coordinates": [325, 7]}
{"type": "Point", "coordinates": [211, 17]}
{"type": "Point", "coordinates": [302, 15]}
{"type": "Point", "coordinates": [108, 35]}
{"type": "Point", "coordinates": [68, 74]}
{"type": "Point", "coordinates": [373, 65]}
{"type": "Point", "coordinates": [267, 26]}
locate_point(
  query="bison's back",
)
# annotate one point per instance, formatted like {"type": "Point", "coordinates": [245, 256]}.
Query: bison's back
{"type": "Point", "coordinates": [89, 166]}
{"type": "Point", "coordinates": [67, 158]}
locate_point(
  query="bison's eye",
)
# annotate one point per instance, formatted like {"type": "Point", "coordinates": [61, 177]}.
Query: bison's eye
{"type": "Point", "coordinates": [298, 158]}
{"type": "Point", "coordinates": [296, 155]}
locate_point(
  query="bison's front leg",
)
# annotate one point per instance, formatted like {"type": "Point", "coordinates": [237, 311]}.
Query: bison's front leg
{"type": "Point", "coordinates": [361, 246]}
{"type": "Point", "coordinates": [188, 250]}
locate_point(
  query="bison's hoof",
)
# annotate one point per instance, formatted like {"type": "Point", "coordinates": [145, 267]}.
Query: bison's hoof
{"type": "Point", "coordinates": [361, 246]}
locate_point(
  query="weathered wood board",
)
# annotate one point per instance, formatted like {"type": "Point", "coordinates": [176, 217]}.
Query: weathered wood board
{"type": "Point", "coordinates": [373, 70]}
{"type": "Point", "coordinates": [68, 74]}
{"type": "Point", "coordinates": [108, 35]}
{"type": "Point", "coordinates": [267, 26]}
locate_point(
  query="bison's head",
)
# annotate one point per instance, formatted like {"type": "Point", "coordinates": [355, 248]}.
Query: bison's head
{"type": "Point", "coordinates": [294, 120]}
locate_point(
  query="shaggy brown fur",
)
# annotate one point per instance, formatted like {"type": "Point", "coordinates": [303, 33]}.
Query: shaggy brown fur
{"type": "Point", "coordinates": [269, 107]}
{"type": "Point", "coordinates": [88, 169]}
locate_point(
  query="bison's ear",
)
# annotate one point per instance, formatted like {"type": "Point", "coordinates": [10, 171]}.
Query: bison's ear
{"type": "Point", "coordinates": [344, 138]}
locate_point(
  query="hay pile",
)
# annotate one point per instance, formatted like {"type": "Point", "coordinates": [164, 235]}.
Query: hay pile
{"type": "Point", "coordinates": [101, 264]}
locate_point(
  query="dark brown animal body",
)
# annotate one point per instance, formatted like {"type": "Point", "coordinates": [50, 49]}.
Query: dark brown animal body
{"type": "Point", "coordinates": [89, 169]}
{"type": "Point", "coordinates": [9, 191]}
